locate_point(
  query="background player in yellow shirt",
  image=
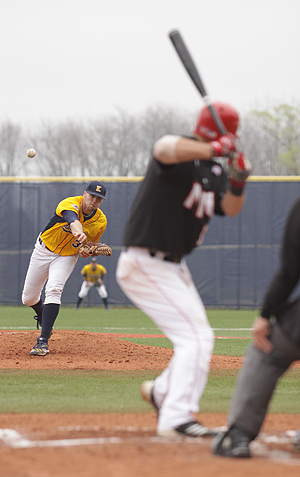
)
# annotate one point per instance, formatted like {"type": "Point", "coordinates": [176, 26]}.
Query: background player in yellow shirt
{"type": "Point", "coordinates": [93, 275]}
{"type": "Point", "coordinates": [76, 220]}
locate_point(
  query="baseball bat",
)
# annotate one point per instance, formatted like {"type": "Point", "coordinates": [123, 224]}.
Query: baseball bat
{"type": "Point", "coordinates": [192, 70]}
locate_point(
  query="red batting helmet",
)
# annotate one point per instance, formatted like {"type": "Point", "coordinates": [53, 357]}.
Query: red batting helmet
{"type": "Point", "coordinates": [206, 127]}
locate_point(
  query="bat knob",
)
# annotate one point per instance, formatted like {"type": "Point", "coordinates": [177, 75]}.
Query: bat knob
{"type": "Point", "coordinates": [173, 33]}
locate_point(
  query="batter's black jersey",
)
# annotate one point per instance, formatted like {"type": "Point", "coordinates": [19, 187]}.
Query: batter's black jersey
{"type": "Point", "coordinates": [174, 205]}
{"type": "Point", "coordinates": [276, 301]}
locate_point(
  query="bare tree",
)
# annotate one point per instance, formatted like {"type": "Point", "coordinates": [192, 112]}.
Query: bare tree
{"type": "Point", "coordinates": [271, 140]}
{"type": "Point", "coordinates": [126, 144]}
{"type": "Point", "coordinates": [259, 147]}
{"type": "Point", "coordinates": [100, 136]}
{"type": "Point", "coordinates": [120, 144]}
{"type": "Point", "coordinates": [113, 145]}
{"type": "Point", "coordinates": [63, 150]}
{"type": "Point", "coordinates": [159, 120]}
{"type": "Point", "coordinates": [10, 148]}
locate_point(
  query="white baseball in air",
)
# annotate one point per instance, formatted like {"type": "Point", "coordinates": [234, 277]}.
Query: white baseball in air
{"type": "Point", "coordinates": [31, 152]}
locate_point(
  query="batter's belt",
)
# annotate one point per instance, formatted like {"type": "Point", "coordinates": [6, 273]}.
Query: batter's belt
{"type": "Point", "coordinates": [153, 252]}
{"type": "Point", "coordinates": [167, 257]}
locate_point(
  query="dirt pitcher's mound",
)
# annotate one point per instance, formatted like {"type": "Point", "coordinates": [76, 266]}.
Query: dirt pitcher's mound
{"type": "Point", "coordinates": [86, 350]}
{"type": "Point", "coordinates": [79, 350]}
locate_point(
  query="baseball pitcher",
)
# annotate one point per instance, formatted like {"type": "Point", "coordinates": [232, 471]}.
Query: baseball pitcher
{"type": "Point", "coordinates": [76, 221]}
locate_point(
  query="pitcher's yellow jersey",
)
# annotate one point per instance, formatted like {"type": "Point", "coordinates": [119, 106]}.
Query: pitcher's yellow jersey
{"type": "Point", "coordinates": [57, 235]}
{"type": "Point", "coordinates": [93, 275]}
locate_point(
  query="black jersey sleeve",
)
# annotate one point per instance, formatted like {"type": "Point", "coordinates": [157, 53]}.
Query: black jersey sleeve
{"type": "Point", "coordinates": [288, 273]}
{"type": "Point", "coordinates": [221, 191]}
{"type": "Point", "coordinates": [69, 216]}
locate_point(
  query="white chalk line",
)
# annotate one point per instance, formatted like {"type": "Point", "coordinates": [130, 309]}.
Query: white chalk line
{"type": "Point", "coordinates": [110, 328]}
{"type": "Point", "coordinates": [97, 428]}
{"type": "Point", "coordinates": [13, 439]}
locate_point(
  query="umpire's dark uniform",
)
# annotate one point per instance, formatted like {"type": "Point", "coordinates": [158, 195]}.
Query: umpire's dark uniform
{"type": "Point", "coordinates": [261, 371]}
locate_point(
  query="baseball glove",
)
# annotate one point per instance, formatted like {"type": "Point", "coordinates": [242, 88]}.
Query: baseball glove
{"type": "Point", "coordinates": [93, 249]}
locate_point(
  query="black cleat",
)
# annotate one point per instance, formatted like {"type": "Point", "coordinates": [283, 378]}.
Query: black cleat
{"type": "Point", "coordinates": [189, 429]}
{"type": "Point", "coordinates": [233, 443]}
{"type": "Point", "coordinates": [40, 349]}
{"type": "Point", "coordinates": [296, 441]}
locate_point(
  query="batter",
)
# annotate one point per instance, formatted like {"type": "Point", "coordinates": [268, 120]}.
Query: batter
{"type": "Point", "coordinates": [183, 188]}
{"type": "Point", "coordinates": [55, 255]}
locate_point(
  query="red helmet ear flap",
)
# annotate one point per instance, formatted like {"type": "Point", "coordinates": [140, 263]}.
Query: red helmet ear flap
{"type": "Point", "coordinates": [206, 127]}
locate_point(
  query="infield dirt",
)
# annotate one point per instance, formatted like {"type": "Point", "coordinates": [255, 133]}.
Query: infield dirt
{"type": "Point", "coordinates": [129, 446]}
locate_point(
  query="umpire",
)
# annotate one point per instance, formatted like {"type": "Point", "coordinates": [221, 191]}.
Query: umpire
{"type": "Point", "coordinates": [276, 344]}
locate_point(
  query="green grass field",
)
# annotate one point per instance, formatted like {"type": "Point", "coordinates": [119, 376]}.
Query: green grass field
{"type": "Point", "coordinates": [88, 391]}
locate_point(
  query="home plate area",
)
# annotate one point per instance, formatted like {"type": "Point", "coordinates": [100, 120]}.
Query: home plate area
{"type": "Point", "coordinates": [271, 446]}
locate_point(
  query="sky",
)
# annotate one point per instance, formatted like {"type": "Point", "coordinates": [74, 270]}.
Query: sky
{"type": "Point", "coordinates": [83, 59]}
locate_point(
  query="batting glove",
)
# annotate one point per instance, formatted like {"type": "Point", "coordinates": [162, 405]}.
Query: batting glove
{"type": "Point", "coordinates": [223, 146]}
{"type": "Point", "coordinates": [238, 169]}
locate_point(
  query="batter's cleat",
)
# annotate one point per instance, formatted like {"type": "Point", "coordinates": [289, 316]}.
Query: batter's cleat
{"type": "Point", "coordinates": [233, 443]}
{"type": "Point", "coordinates": [189, 429]}
{"type": "Point", "coordinates": [147, 393]}
{"type": "Point", "coordinates": [40, 349]}
{"type": "Point", "coordinates": [296, 441]}
{"type": "Point", "coordinates": [38, 321]}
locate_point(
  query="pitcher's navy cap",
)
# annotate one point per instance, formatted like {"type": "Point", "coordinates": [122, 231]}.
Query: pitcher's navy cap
{"type": "Point", "coordinates": [96, 188]}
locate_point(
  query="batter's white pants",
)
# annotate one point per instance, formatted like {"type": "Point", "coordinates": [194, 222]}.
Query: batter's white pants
{"type": "Point", "coordinates": [46, 266]}
{"type": "Point", "coordinates": [165, 291]}
{"type": "Point", "coordinates": [86, 286]}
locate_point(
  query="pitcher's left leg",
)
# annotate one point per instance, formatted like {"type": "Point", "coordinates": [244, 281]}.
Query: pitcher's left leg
{"type": "Point", "coordinates": [59, 271]}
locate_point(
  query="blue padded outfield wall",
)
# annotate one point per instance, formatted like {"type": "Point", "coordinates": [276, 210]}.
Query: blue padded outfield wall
{"type": "Point", "coordinates": [232, 268]}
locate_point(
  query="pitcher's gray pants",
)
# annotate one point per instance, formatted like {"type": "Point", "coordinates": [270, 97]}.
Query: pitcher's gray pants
{"type": "Point", "coordinates": [257, 381]}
